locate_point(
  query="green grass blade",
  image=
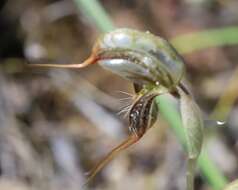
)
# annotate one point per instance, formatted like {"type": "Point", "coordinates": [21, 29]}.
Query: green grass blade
{"type": "Point", "coordinates": [96, 13]}
{"type": "Point", "coordinates": [205, 39]}
{"type": "Point", "coordinates": [210, 171]}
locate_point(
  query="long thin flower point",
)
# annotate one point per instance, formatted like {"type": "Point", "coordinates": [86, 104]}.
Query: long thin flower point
{"type": "Point", "coordinates": [91, 60]}
{"type": "Point", "coordinates": [140, 57]}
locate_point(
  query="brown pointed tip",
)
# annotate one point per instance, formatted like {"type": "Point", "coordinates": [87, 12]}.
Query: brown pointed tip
{"type": "Point", "coordinates": [91, 60]}
{"type": "Point", "coordinates": [114, 152]}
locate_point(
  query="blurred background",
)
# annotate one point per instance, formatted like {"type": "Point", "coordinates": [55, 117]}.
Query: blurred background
{"type": "Point", "coordinates": [56, 124]}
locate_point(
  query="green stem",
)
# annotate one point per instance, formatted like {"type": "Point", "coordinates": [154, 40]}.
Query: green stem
{"type": "Point", "coordinates": [199, 40]}
{"type": "Point", "coordinates": [191, 168]}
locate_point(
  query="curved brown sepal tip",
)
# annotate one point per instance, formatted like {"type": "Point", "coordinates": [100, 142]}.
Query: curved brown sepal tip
{"type": "Point", "coordinates": [91, 60]}
{"type": "Point", "coordinates": [132, 139]}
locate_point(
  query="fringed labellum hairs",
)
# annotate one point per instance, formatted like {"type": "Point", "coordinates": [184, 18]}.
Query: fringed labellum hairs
{"type": "Point", "coordinates": [142, 116]}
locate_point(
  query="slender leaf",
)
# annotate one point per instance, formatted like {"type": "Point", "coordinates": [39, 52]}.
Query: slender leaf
{"type": "Point", "coordinates": [232, 186]}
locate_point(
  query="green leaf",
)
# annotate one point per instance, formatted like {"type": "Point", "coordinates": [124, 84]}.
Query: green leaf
{"type": "Point", "coordinates": [193, 124]}
{"type": "Point", "coordinates": [193, 128]}
{"type": "Point", "coordinates": [232, 186]}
